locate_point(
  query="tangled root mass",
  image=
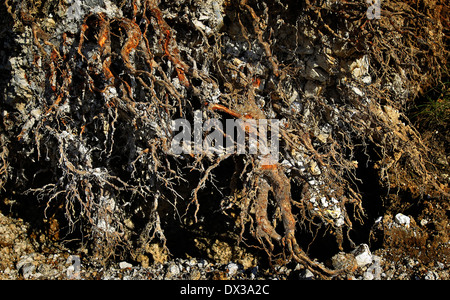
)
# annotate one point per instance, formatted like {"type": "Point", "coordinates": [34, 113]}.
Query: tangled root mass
{"type": "Point", "coordinates": [87, 133]}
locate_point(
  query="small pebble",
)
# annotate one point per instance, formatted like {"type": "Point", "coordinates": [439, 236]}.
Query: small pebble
{"type": "Point", "coordinates": [232, 268]}
{"type": "Point", "coordinates": [125, 265]}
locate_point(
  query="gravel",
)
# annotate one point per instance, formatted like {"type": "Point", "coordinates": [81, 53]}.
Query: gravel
{"type": "Point", "coordinates": [21, 260]}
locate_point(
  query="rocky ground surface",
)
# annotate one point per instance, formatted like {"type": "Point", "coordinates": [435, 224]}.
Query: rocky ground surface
{"type": "Point", "coordinates": [30, 257]}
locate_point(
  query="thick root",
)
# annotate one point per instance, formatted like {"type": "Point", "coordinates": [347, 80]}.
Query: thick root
{"type": "Point", "coordinates": [277, 180]}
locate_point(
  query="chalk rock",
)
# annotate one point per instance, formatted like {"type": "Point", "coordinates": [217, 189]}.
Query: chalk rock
{"type": "Point", "coordinates": [374, 271]}
{"type": "Point", "coordinates": [363, 255]}
{"type": "Point", "coordinates": [401, 219]}
{"type": "Point", "coordinates": [232, 268]}
{"type": "Point", "coordinates": [125, 265]}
